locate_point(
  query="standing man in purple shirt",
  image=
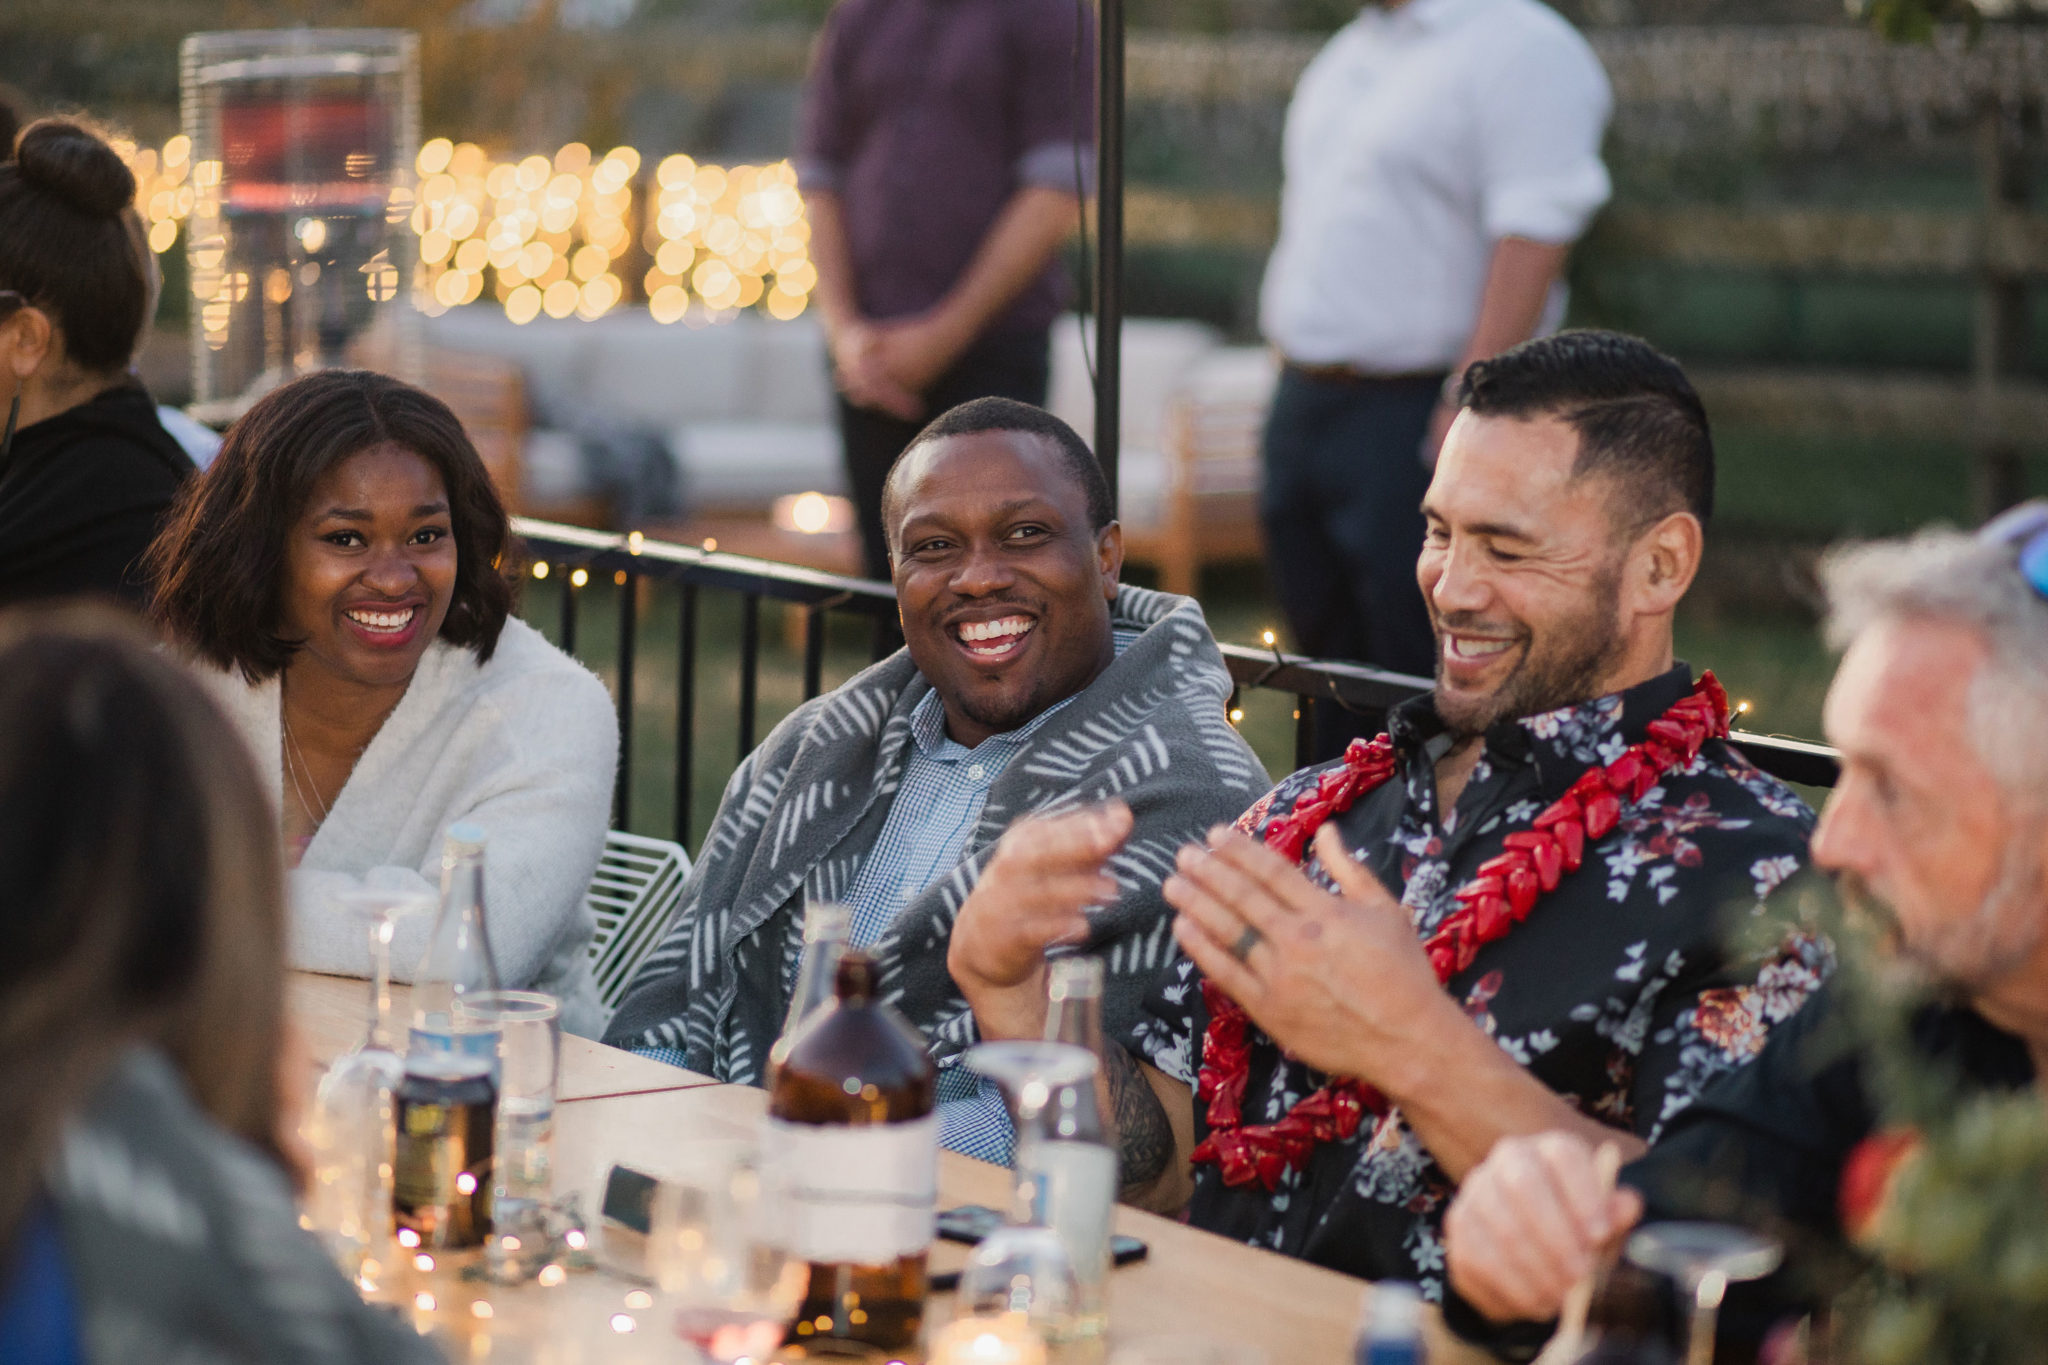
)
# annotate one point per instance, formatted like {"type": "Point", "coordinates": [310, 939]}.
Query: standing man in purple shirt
{"type": "Point", "coordinates": [943, 154]}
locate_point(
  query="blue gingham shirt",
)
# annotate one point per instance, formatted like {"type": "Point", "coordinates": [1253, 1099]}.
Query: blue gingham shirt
{"type": "Point", "coordinates": [937, 804]}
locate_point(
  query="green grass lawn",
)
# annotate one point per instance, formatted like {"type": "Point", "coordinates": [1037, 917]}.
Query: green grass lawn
{"type": "Point", "coordinates": [1778, 666]}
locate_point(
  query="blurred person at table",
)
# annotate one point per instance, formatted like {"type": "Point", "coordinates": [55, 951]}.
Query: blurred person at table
{"type": "Point", "coordinates": [1441, 156]}
{"type": "Point", "coordinates": [1031, 682]}
{"type": "Point", "coordinates": [942, 156]}
{"type": "Point", "coordinates": [1938, 826]}
{"type": "Point", "coordinates": [1502, 917]}
{"type": "Point", "coordinates": [342, 574]}
{"type": "Point", "coordinates": [145, 1211]}
{"type": "Point", "coordinates": [87, 471]}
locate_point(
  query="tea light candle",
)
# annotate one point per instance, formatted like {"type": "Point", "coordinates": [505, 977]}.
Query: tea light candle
{"type": "Point", "coordinates": [1003, 1340]}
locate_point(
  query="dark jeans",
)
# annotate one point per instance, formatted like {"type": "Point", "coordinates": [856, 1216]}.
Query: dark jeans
{"type": "Point", "coordinates": [1008, 365]}
{"type": "Point", "coordinates": [1343, 520]}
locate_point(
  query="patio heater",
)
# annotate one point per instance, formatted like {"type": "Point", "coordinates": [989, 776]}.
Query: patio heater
{"type": "Point", "coordinates": [300, 248]}
{"type": "Point", "coordinates": [1109, 223]}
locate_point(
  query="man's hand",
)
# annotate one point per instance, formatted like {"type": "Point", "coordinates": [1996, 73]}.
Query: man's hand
{"type": "Point", "coordinates": [914, 352]}
{"type": "Point", "coordinates": [1033, 895]}
{"type": "Point", "coordinates": [1340, 982]}
{"type": "Point", "coordinates": [858, 371]}
{"type": "Point", "coordinates": [1531, 1221]}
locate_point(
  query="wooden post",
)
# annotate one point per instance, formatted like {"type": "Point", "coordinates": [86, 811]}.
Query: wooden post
{"type": "Point", "coordinates": [1999, 344]}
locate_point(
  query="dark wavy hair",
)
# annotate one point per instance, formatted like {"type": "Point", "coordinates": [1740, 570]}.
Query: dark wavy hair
{"type": "Point", "coordinates": [216, 571]}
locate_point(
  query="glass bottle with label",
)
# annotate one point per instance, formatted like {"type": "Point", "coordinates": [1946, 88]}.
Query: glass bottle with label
{"type": "Point", "coordinates": [826, 927]}
{"type": "Point", "coordinates": [1067, 1151]}
{"type": "Point", "coordinates": [851, 1145]}
{"type": "Point", "coordinates": [446, 1123]}
{"type": "Point", "coordinates": [458, 959]}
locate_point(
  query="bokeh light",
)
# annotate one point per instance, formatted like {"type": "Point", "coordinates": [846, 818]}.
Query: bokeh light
{"type": "Point", "coordinates": [565, 235]}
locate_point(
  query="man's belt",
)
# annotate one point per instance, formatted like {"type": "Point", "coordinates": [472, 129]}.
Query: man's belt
{"type": "Point", "coordinates": [1351, 374]}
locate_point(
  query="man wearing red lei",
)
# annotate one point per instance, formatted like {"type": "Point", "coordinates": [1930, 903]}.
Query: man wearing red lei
{"type": "Point", "coordinates": [1938, 830]}
{"type": "Point", "coordinates": [1506, 914]}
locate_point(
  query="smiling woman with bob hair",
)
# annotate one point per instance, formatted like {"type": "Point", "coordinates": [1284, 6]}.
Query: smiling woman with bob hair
{"type": "Point", "coordinates": [341, 575]}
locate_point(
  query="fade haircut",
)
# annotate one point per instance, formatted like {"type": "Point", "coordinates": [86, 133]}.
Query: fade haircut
{"type": "Point", "coordinates": [1946, 576]}
{"type": "Point", "coordinates": [1638, 419]}
{"type": "Point", "coordinates": [1007, 415]}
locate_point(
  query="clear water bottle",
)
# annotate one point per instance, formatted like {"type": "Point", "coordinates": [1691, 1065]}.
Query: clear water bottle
{"type": "Point", "coordinates": [826, 929]}
{"type": "Point", "coordinates": [1390, 1326]}
{"type": "Point", "coordinates": [458, 959]}
{"type": "Point", "coordinates": [1067, 1151]}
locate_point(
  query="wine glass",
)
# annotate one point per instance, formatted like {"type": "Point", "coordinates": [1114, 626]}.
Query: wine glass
{"type": "Point", "coordinates": [716, 1256]}
{"type": "Point", "coordinates": [1704, 1259]}
{"type": "Point", "coordinates": [350, 1123]}
{"type": "Point", "coordinates": [1025, 1266]}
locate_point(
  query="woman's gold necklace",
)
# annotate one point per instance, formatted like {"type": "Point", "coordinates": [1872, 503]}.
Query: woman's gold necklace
{"type": "Point", "coordinates": [308, 801]}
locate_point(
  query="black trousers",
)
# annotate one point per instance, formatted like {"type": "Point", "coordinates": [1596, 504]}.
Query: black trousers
{"type": "Point", "coordinates": [1007, 365]}
{"type": "Point", "coordinates": [1342, 511]}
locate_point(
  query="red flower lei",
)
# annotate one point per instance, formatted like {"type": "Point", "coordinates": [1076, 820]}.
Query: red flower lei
{"type": "Point", "coordinates": [1498, 897]}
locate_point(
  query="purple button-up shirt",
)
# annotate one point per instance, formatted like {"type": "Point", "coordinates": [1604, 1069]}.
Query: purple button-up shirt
{"type": "Point", "coordinates": [926, 116]}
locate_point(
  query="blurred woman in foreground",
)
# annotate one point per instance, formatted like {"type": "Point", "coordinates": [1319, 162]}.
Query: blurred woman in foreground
{"type": "Point", "coordinates": [144, 1213]}
{"type": "Point", "coordinates": [342, 568]}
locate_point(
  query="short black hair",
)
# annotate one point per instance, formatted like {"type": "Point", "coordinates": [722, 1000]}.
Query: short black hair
{"type": "Point", "coordinates": [216, 571]}
{"type": "Point", "coordinates": [1007, 414]}
{"type": "Point", "coordinates": [1637, 416]}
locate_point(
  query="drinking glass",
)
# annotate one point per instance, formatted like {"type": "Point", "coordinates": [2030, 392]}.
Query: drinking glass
{"type": "Point", "coordinates": [381, 910]}
{"type": "Point", "coordinates": [715, 1254]}
{"type": "Point", "coordinates": [350, 1122]}
{"type": "Point", "coordinates": [1704, 1259]}
{"type": "Point", "coordinates": [1025, 1266]}
{"type": "Point", "coordinates": [529, 1029]}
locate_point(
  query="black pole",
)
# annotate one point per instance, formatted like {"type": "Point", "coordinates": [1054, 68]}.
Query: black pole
{"type": "Point", "coordinates": [1109, 225]}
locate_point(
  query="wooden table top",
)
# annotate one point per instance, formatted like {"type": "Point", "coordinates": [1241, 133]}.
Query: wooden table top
{"type": "Point", "coordinates": [332, 1014]}
{"type": "Point", "coordinates": [621, 1109]}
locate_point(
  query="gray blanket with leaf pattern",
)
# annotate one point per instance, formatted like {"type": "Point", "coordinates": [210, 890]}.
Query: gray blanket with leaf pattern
{"type": "Point", "coordinates": [801, 813]}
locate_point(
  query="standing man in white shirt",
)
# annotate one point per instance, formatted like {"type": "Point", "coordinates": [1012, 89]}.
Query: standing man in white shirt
{"type": "Point", "coordinates": [1441, 158]}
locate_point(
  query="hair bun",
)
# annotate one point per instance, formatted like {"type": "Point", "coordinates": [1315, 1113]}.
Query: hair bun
{"type": "Point", "coordinates": [69, 162]}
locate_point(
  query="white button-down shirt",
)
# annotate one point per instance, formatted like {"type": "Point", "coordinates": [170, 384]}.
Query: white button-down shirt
{"type": "Point", "coordinates": [1417, 139]}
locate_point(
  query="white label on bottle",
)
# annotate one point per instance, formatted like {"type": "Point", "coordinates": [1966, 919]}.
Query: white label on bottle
{"type": "Point", "coordinates": [854, 1194]}
{"type": "Point", "coordinates": [1077, 1196]}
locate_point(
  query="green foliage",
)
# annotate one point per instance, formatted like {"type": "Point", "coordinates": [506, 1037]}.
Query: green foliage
{"type": "Point", "coordinates": [1914, 21]}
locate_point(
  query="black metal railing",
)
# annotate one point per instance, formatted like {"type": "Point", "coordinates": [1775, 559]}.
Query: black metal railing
{"type": "Point", "coordinates": [567, 558]}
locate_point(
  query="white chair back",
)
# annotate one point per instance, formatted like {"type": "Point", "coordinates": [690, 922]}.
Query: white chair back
{"type": "Point", "coordinates": [633, 897]}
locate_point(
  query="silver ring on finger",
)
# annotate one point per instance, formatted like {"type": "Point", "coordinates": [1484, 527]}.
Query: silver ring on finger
{"type": "Point", "coordinates": [1246, 941]}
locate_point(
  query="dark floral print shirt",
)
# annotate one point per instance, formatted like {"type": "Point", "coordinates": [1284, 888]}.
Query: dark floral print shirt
{"type": "Point", "coordinates": [1616, 992]}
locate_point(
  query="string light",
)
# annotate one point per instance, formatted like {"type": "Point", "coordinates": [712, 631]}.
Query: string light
{"type": "Point", "coordinates": [541, 234]}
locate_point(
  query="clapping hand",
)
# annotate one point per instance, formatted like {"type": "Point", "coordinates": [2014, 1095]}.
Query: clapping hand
{"type": "Point", "coordinates": [1033, 895]}
{"type": "Point", "coordinates": [1341, 982]}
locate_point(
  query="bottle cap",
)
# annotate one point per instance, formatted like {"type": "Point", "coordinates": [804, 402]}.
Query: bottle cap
{"type": "Point", "coordinates": [1075, 975]}
{"type": "Point", "coordinates": [826, 920]}
{"type": "Point", "coordinates": [856, 978]}
{"type": "Point", "coordinates": [467, 834]}
{"type": "Point", "coordinates": [1392, 1311]}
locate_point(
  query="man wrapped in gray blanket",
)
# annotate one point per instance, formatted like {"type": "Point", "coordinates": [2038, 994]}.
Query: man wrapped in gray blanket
{"type": "Point", "coordinates": [1032, 684]}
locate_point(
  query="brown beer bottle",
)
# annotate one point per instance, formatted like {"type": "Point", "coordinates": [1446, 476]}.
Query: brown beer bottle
{"type": "Point", "coordinates": [851, 1146]}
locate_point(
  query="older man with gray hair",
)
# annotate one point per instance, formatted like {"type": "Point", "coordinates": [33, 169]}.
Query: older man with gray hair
{"type": "Point", "coordinates": [1939, 825]}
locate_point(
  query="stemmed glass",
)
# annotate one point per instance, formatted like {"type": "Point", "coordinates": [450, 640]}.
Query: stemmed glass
{"type": "Point", "coordinates": [716, 1258]}
{"type": "Point", "coordinates": [1024, 1266]}
{"type": "Point", "coordinates": [1704, 1259]}
{"type": "Point", "coordinates": [351, 1123]}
